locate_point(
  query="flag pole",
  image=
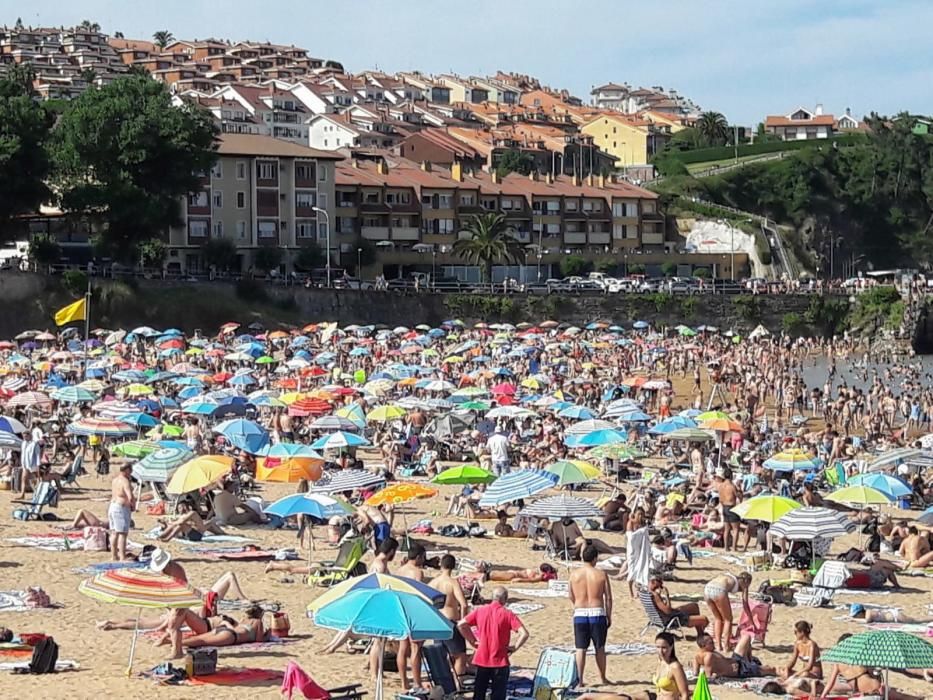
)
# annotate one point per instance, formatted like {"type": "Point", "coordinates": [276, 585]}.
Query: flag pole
{"type": "Point", "coordinates": [87, 322]}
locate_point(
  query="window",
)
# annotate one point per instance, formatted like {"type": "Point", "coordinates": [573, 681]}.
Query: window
{"type": "Point", "coordinates": [197, 199]}
{"type": "Point", "coordinates": [241, 170]}
{"type": "Point", "coordinates": [304, 171]}
{"type": "Point", "coordinates": [322, 200]}
{"type": "Point", "coordinates": [489, 204]}
{"type": "Point", "coordinates": [322, 172]}
{"type": "Point", "coordinates": [570, 205]}
{"type": "Point", "coordinates": [322, 232]}
{"type": "Point", "coordinates": [467, 200]}
{"type": "Point", "coordinates": [218, 199]}
{"type": "Point", "coordinates": [553, 206]}
{"type": "Point", "coordinates": [344, 224]}
{"type": "Point", "coordinates": [325, 143]}
{"type": "Point", "coordinates": [265, 171]}
{"type": "Point", "coordinates": [304, 229]}
{"type": "Point", "coordinates": [398, 197]}
{"type": "Point", "coordinates": [371, 222]}
{"type": "Point", "coordinates": [218, 229]}
{"type": "Point", "coordinates": [241, 200]}
{"type": "Point", "coordinates": [241, 229]}
{"type": "Point", "coordinates": [217, 171]}
{"type": "Point", "coordinates": [304, 200]}
{"type": "Point", "coordinates": [373, 198]}
{"type": "Point", "coordinates": [427, 201]}
{"type": "Point", "coordinates": [445, 225]}
{"type": "Point", "coordinates": [506, 204]}
{"type": "Point", "coordinates": [197, 228]}
{"type": "Point", "coordinates": [267, 229]}
{"type": "Point", "coordinates": [445, 201]}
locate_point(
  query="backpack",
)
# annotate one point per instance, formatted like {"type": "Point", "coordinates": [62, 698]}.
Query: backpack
{"type": "Point", "coordinates": [44, 656]}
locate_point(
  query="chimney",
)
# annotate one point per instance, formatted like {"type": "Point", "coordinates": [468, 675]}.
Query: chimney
{"type": "Point", "coordinates": [550, 178]}
{"type": "Point", "coordinates": [602, 182]}
{"type": "Point", "coordinates": [382, 167]}
{"type": "Point", "coordinates": [533, 176]}
{"type": "Point", "coordinates": [819, 110]}
{"type": "Point", "coordinates": [356, 163]}
{"type": "Point", "coordinates": [494, 175]}
{"type": "Point", "coordinates": [426, 166]}
{"type": "Point", "coordinates": [576, 180]}
{"type": "Point", "coordinates": [456, 172]}
{"type": "Point", "coordinates": [590, 180]}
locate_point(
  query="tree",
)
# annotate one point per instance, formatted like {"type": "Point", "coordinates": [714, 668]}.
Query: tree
{"type": "Point", "coordinates": [125, 157]}
{"type": "Point", "coordinates": [118, 35]}
{"type": "Point", "coordinates": [514, 161]}
{"type": "Point", "coordinates": [489, 241]}
{"type": "Point", "coordinates": [268, 258]}
{"type": "Point", "coordinates": [44, 250]}
{"type": "Point", "coordinates": [152, 252]}
{"type": "Point", "coordinates": [89, 26]}
{"type": "Point", "coordinates": [309, 257]}
{"type": "Point", "coordinates": [24, 161]}
{"type": "Point", "coordinates": [163, 38]}
{"type": "Point", "coordinates": [574, 266]}
{"type": "Point", "coordinates": [713, 127]}
{"type": "Point", "coordinates": [636, 269]}
{"type": "Point", "coordinates": [19, 24]}
{"type": "Point", "coordinates": [88, 75]}
{"type": "Point", "coordinates": [668, 268]}
{"type": "Point", "coordinates": [336, 65]}
{"type": "Point", "coordinates": [219, 253]}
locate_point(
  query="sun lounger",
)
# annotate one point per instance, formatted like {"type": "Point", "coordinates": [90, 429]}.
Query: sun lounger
{"type": "Point", "coordinates": [555, 674]}
{"type": "Point", "coordinates": [45, 495]}
{"type": "Point", "coordinates": [331, 572]}
{"type": "Point", "coordinates": [655, 619]}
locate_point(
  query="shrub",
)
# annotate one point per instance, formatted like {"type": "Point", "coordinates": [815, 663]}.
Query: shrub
{"type": "Point", "coordinates": [268, 258]}
{"type": "Point", "coordinates": [75, 281]}
{"type": "Point", "coordinates": [574, 265]}
{"type": "Point", "coordinates": [668, 268]}
{"type": "Point", "coordinates": [44, 250]}
{"type": "Point", "coordinates": [701, 273]}
{"type": "Point", "coordinates": [792, 323]}
{"type": "Point", "coordinates": [749, 307]}
{"type": "Point", "coordinates": [636, 269]}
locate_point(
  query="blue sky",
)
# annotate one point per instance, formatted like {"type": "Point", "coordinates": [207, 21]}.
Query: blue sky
{"type": "Point", "coordinates": [745, 59]}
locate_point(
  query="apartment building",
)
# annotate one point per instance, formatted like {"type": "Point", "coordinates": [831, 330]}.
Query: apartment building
{"type": "Point", "coordinates": [414, 213]}
{"type": "Point", "coordinates": [624, 98]}
{"type": "Point", "coordinates": [261, 192]}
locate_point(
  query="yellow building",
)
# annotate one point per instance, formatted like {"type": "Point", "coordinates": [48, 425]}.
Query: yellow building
{"type": "Point", "coordinates": [673, 122]}
{"type": "Point", "coordinates": [622, 137]}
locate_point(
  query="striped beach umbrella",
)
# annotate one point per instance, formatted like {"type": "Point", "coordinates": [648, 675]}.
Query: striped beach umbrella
{"type": "Point", "coordinates": [793, 459]}
{"type": "Point", "coordinates": [562, 506]}
{"type": "Point", "coordinates": [73, 394]}
{"type": "Point", "coordinates": [139, 588]}
{"type": "Point", "coordinates": [517, 485]}
{"type": "Point", "coordinates": [101, 427]}
{"type": "Point", "coordinates": [346, 480]}
{"type": "Point", "coordinates": [810, 523]}
{"type": "Point", "coordinates": [31, 399]}
{"type": "Point", "coordinates": [159, 466]}
{"type": "Point", "coordinates": [332, 423]}
{"type": "Point", "coordinates": [339, 440]}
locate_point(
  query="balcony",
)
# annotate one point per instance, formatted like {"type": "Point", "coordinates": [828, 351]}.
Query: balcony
{"type": "Point", "coordinates": [375, 233]}
{"type": "Point", "coordinates": [600, 238]}
{"type": "Point", "coordinates": [199, 210]}
{"type": "Point", "coordinates": [652, 238]}
{"type": "Point", "coordinates": [575, 238]}
{"type": "Point", "coordinates": [304, 211]}
{"type": "Point", "coordinates": [652, 216]}
{"type": "Point", "coordinates": [305, 182]}
{"type": "Point", "coordinates": [375, 208]}
{"type": "Point", "coordinates": [406, 233]}
{"type": "Point", "coordinates": [270, 210]}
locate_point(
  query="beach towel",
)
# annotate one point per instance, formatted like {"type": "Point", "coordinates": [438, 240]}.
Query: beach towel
{"type": "Point", "coordinates": [60, 665]}
{"type": "Point", "coordinates": [296, 680]}
{"type": "Point", "coordinates": [236, 676]}
{"type": "Point", "coordinates": [539, 592]}
{"type": "Point", "coordinates": [15, 601]}
{"type": "Point", "coordinates": [862, 591]}
{"type": "Point", "coordinates": [909, 627]}
{"type": "Point", "coordinates": [108, 566]}
{"type": "Point", "coordinates": [50, 543]}
{"type": "Point", "coordinates": [206, 541]}
{"type": "Point", "coordinates": [524, 608]}
{"type": "Point", "coordinates": [638, 554]}
{"type": "Point", "coordinates": [626, 649]}
{"type": "Point", "coordinates": [245, 555]}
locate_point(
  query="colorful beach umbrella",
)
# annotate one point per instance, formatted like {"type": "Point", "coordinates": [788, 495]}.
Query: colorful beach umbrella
{"type": "Point", "coordinates": [573, 471]}
{"type": "Point", "coordinates": [198, 473]}
{"type": "Point", "coordinates": [767, 508]}
{"type": "Point", "coordinates": [466, 474]}
{"type": "Point", "coordinates": [401, 492]}
{"type": "Point", "coordinates": [401, 584]}
{"type": "Point", "coordinates": [885, 649]}
{"type": "Point", "coordinates": [793, 459]}
{"type": "Point", "coordinates": [101, 427]}
{"type": "Point", "coordinates": [158, 466]}
{"type": "Point", "coordinates": [517, 485]}
{"type": "Point", "coordinates": [859, 494]}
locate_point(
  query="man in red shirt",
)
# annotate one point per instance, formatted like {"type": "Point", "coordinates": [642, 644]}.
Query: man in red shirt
{"type": "Point", "coordinates": [494, 625]}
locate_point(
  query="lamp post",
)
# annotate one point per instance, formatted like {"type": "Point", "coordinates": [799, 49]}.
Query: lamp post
{"type": "Point", "coordinates": [433, 267]}
{"type": "Point", "coordinates": [359, 263]}
{"type": "Point", "coordinates": [327, 224]}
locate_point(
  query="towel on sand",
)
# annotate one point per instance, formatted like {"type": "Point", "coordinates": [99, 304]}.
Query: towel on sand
{"type": "Point", "coordinates": [15, 601]}
{"type": "Point", "coordinates": [627, 649]}
{"type": "Point", "coordinates": [236, 676]}
{"type": "Point", "coordinates": [539, 592]}
{"type": "Point", "coordinates": [108, 566]}
{"type": "Point", "coordinates": [60, 665]}
{"type": "Point", "coordinates": [524, 608]}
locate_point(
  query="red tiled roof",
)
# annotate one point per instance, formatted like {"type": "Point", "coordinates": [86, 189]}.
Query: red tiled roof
{"type": "Point", "coordinates": [816, 120]}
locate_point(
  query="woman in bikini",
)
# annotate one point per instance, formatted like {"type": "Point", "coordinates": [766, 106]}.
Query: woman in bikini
{"type": "Point", "coordinates": [228, 635]}
{"type": "Point", "coordinates": [670, 680]}
{"type": "Point", "coordinates": [808, 653]}
{"type": "Point", "coordinates": [716, 593]}
{"type": "Point", "coordinates": [847, 679]}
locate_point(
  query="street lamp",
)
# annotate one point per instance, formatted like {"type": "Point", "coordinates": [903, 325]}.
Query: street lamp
{"type": "Point", "coordinates": [359, 263]}
{"type": "Point", "coordinates": [433, 267]}
{"type": "Point", "coordinates": [327, 224]}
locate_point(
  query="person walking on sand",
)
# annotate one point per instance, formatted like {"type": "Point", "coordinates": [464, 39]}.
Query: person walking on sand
{"type": "Point", "coordinates": [494, 624]}
{"type": "Point", "coordinates": [591, 597]}
{"type": "Point", "coordinates": [119, 512]}
{"type": "Point", "coordinates": [409, 651]}
{"type": "Point", "coordinates": [455, 607]}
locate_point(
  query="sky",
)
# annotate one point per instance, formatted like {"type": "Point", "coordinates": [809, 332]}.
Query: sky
{"type": "Point", "coordinates": [746, 59]}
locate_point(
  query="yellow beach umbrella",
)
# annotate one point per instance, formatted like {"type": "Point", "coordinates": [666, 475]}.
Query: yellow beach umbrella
{"type": "Point", "coordinates": [198, 473]}
{"type": "Point", "coordinates": [383, 414]}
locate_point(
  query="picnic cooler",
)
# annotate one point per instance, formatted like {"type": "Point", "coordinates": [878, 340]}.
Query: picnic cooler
{"type": "Point", "coordinates": [201, 662]}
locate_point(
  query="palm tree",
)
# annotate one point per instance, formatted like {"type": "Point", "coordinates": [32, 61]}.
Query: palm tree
{"type": "Point", "coordinates": [162, 38]}
{"type": "Point", "coordinates": [89, 26]}
{"type": "Point", "coordinates": [490, 241]}
{"type": "Point", "coordinates": [714, 128]}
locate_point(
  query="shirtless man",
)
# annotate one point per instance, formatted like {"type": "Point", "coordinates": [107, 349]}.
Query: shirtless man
{"type": "Point", "coordinates": [591, 597]}
{"type": "Point", "coordinates": [728, 498]}
{"type": "Point", "coordinates": [455, 607]}
{"type": "Point", "coordinates": [915, 549]}
{"type": "Point", "coordinates": [409, 652]}
{"type": "Point", "coordinates": [229, 511]}
{"type": "Point", "coordinates": [384, 554]}
{"type": "Point", "coordinates": [121, 507]}
{"type": "Point", "coordinates": [740, 665]}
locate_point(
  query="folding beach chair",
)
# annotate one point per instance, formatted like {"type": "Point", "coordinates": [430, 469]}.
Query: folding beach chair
{"type": "Point", "coordinates": [757, 623]}
{"type": "Point", "coordinates": [831, 577]}
{"type": "Point", "coordinates": [441, 671]}
{"type": "Point", "coordinates": [555, 673]}
{"type": "Point", "coordinates": [348, 557]}
{"type": "Point", "coordinates": [70, 477]}
{"type": "Point", "coordinates": [655, 619]}
{"type": "Point", "coordinates": [45, 495]}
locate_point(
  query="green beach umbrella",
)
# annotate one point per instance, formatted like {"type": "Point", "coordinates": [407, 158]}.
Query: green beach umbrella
{"type": "Point", "coordinates": [572, 471]}
{"type": "Point", "coordinates": [863, 495]}
{"type": "Point", "coordinates": [265, 360]}
{"type": "Point", "coordinates": [617, 451]}
{"type": "Point", "coordinates": [475, 406]}
{"type": "Point", "coordinates": [135, 448]}
{"type": "Point", "coordinates": [701, 689]}
{"type": "Point", "coordinates": [466, 474]}
{"type": "Point", "coordinates": [882, 649]}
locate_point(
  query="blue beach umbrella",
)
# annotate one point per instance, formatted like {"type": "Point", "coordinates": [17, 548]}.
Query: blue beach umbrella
{"type": "Point", "coordinates": [672, 424]}
{"type": "Point", "coordinates": [517, 485]}
{"type": "Point", "coordinates": [244, 434]}
{"type": "Point", "coordinates": [574, 412]}
{"type": "Point", "coordinates": [316, 505]}
{"type": "Point", "coordinates": [887, 484]}
{"type": "Point", "coordinates": [139, 420]}
{"type": "Point", "coordinates": [596, 439]}
{"type": "Point", "coordinates": [339, 440]}
{"type": "Point", "coordinates": [385, 613]}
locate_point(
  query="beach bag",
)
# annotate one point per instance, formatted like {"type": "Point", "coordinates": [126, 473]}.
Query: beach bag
{"type": "Point", "coordinates": [280, 626]}
{"type": "Point", "coordinates": [95, 539]}
{"type": "Point", "coordinates": [201, 662]}
{"type": "Point", "coordinates": [44, 656]}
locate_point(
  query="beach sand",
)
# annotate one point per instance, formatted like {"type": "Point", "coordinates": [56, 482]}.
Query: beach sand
{"type": "Point", "coordinates": [103, 655]}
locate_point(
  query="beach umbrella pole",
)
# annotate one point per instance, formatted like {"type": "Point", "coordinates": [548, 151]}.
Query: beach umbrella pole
{"type": "Point", "coordinates": [129, 666]}
{"type": "Point", "coordinates": [381, 648]}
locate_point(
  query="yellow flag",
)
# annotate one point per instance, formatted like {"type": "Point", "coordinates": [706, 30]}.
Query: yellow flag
{"type": "Point", "coordinates": [76, 311]}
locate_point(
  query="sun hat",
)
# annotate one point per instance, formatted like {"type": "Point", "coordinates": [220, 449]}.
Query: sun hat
{"type": "Point", "coordinates": [855, 609]}
{"type": "Point", "coordinates": [159, 560]}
